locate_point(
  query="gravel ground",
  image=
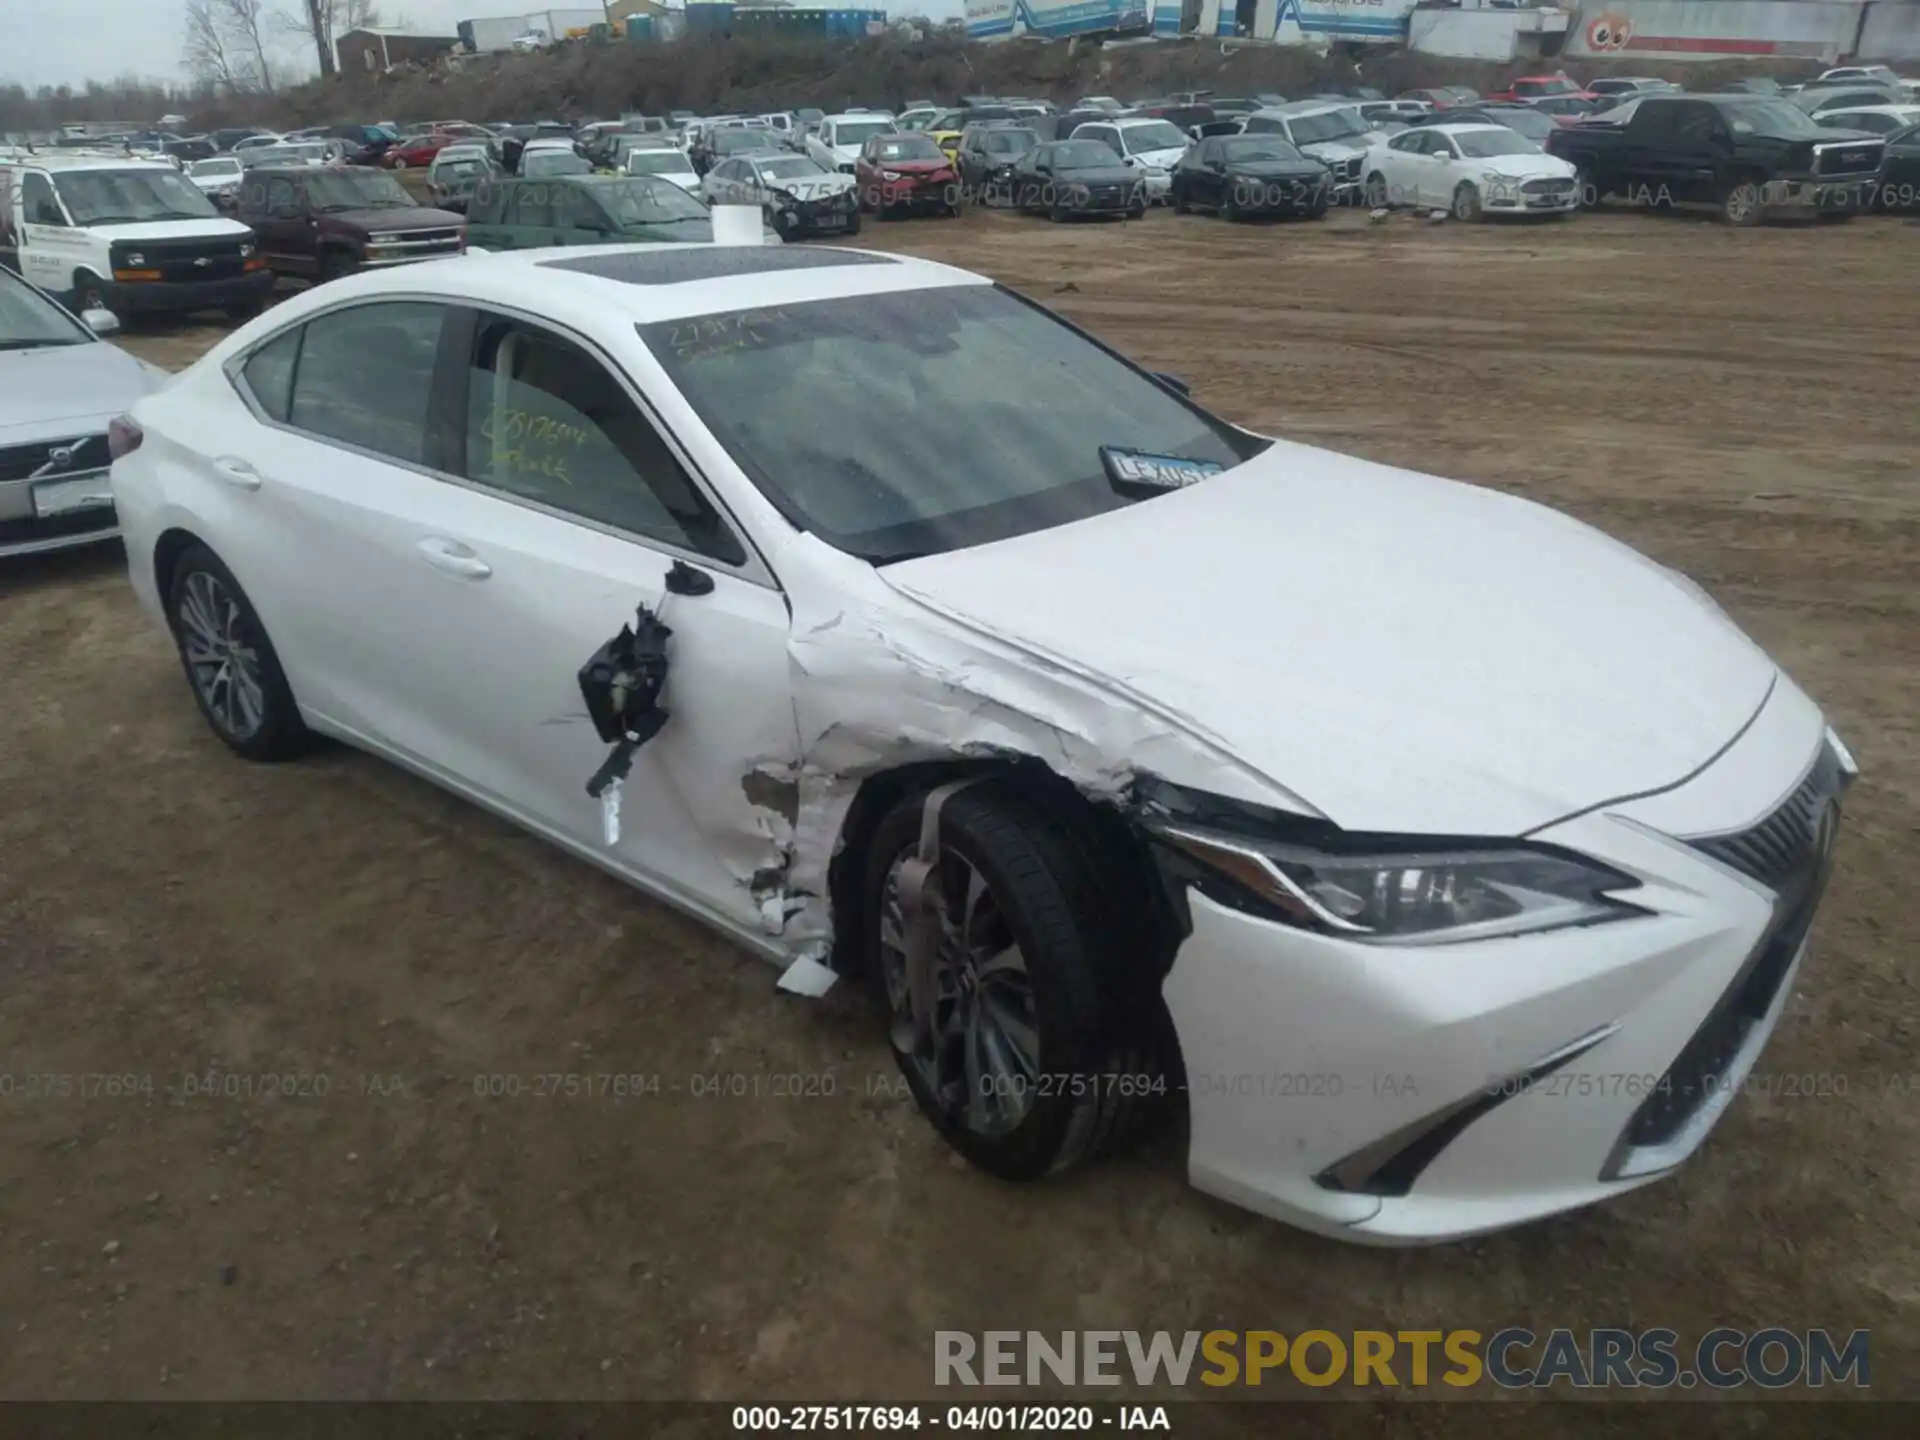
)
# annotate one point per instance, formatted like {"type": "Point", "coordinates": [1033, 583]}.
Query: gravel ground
{"type": "Point", "coordinates": [1738, 404]}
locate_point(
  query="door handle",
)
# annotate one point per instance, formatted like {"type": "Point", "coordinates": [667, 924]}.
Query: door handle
{"type": "Point", "coordinates": [454, 558]}
{"type": "Point", "coordinates": [237, 473]}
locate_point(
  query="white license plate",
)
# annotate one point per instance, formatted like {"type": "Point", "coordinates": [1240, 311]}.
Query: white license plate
{"type": "Point", "coordinates": [68, 497]}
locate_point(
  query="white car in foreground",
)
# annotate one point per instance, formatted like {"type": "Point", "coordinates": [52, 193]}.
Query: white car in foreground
{"type": "Point", "coordinates": [1470, 171]}
{"type": "Point", "coordinates": [1449, 861]}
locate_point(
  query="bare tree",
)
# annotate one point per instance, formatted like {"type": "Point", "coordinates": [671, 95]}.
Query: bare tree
{"type": "Point", "coordinates": [321, 22]}
{"type": "Point", "coordinates": [207, 54]}
{"type": "Point", "coordinates": [246, 25]}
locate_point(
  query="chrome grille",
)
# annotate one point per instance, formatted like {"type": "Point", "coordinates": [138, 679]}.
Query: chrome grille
{"type": "Point", "coordinates": [1548, 187]}
{"type": "Point", "coordinates": [1780, 846]}
{"type": "Point", "coordinates": [59, 459]}
{"type": "Point", "coordinates": [1854, 157]}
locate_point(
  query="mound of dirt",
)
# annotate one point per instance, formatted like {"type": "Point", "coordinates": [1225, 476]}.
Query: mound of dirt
{"type": "Point", "coordinates": [708, 76]}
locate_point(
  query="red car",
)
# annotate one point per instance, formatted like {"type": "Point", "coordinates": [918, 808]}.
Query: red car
{"type": "Point", "coordinates": [414, 150]}
{"type": "Point", "coordinates": [906, 172]}
{"type": "Point", "coordinates": [1542, 87]}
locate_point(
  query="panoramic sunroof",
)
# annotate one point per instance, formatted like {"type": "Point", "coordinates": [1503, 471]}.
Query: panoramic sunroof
{"type": "Point", "coordinates": [710, 262]}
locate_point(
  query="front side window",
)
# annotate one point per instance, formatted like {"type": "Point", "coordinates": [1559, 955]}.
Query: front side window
{"type": "Point", "coordinates": [37, 201]}
{"type": "Point", "coordinates": [906, 424]}
{"type": "Point", "coordinates": [365, 376]}
{"type": "Point", "coordinates": [548, 422]}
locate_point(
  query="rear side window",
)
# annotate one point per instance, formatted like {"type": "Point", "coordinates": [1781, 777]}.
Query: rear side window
{"type": "Point", "coordinates": [548, 422]}
{"type": "Point", "coordinates": [269, 374]}
{"type": "Point", "coordinates": [365, 376]}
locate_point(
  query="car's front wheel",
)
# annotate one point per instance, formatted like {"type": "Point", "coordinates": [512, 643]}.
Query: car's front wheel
{"type": "Point", "coordinates": [1466, 204]}
{"type": "Point", "coordinates": [1013, 1025]}
{"type": "Point", "coordinates": [229, 661]}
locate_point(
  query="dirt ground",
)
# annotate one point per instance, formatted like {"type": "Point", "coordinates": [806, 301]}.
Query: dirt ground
{"type": "Point", "coordinates": [1738, 404]}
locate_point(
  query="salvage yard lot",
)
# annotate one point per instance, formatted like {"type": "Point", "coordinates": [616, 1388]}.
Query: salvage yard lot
{"type": "Point", "coordinates": [1740, 404]}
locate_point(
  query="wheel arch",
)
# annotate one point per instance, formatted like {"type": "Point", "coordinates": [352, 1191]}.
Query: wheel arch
{"type": "Point", "coordinates": [173, 543]}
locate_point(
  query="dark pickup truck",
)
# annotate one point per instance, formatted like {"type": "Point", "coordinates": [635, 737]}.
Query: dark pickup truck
{"type": "Point", "coordinates": [317, 222]}
{"type": "Point", "coordinates": [1744, 154]}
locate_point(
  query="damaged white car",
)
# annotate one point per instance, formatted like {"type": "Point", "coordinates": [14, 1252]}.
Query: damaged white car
{"type": "Point", "coordinates": [1447, 862]}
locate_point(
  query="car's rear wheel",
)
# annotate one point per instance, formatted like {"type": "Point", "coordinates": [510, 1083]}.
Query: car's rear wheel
{"type": "Point", "coordinates": [229, 661]}
{"type": "Point", "coordinates": [1025, 1051]}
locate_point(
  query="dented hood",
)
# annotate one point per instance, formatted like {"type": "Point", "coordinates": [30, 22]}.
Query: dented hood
{"type": "Point", "coordinates": [1406, 653]}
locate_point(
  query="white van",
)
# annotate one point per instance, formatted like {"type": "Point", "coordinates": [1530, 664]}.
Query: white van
{"type": "Point", "coordinates": [131, 236]}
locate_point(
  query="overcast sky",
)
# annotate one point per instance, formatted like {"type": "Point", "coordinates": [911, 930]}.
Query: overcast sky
{"type": "Point", "coordinates": [55, 42]}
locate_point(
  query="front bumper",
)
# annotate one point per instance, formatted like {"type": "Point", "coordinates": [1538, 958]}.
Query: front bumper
{"type": "Point", "coordinates": [1411, 1094]}
{"type": "Point", "coordinates": [814, 217]}
{"type": "Point", "coordinates": [177, 298]}
{"type": "Point", "coordinates": [30, 529]}
{"type": "Point", "coordinates": [1518, 200]}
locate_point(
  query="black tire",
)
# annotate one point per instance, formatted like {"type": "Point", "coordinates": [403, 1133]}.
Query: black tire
{"type": "Point", "coordinates": [1230, 207]}
{"type": "Point", "coordinates": [1054, 890]}
{"type": "Point", "coordinates": [337, 265]}
{"type": "Point", "coordinates": [853, 222]}
{"type": "Point", "coordinates": [1466, 204]}
{"type": "Point", "coordinates": [89, 292]}
{"type": "Point", "coordinates": [1177, 197]}
{"type": "Point", "coordinates": [781, 227]}
{"type": "Point", "coordinates": [279, 734]}
{"type": "Point", "coordinates": [1056, 214]}
{"type": "Point", "coordinates": [1740, 203]}
{"type": "Point", "coordinates": [1318, 212]}
{"type": "Point", "coordinates": [1376, 191]}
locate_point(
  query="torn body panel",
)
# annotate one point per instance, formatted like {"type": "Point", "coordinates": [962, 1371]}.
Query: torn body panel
{"type": "Point", "coordinates": [881, 682]}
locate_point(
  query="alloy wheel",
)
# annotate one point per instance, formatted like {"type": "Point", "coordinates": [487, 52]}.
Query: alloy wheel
{"type": "Point", "coordinates": [224, 665]}
{"type": "Point", "coordinates": [979, 1056]}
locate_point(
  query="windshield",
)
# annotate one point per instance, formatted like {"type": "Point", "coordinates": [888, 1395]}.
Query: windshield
{"type": "Point", "coordinates": [657, 162]}
{"type": "Point", "coordinates": [1139, 139]}
{"type": "Point", "coordinates": [858, 132]}
{"type": "Point", "coordinates": [335, 190]}
{"type": "Point", "coordinates": [1263, 147]}
{"type": "Point", "coordinates": [536, 163]}
{"type": "Point", "coordinates": [1529, 123]}
{"type": "Point", "coordinates": [1010, 142]}
{"type": "Point", "coordinates": [205, 169]}
{"type": "Point", "coordinates": [796, 167]}
{"type": "Point", "coordinates": [1485, 144]}
{"type": "Point", "coordinates": [648, 202]}
{"type": "Point", "coordinates": [909, 147]}
{"type": "Point", "coordinates": [1771, 117]}
{"type": "Point", "coordinates": [1084, 155]}
{"type": "Point", "coordinates": [126, 197]}
{"type": "Point", "coordinates": [1333, 125]}
{"type": "Point", "coordinates": [908, 424]}
{"type": "Point", "coordinates": [29, 321]}
{"type": "Point", "coordinates": [739, 141]}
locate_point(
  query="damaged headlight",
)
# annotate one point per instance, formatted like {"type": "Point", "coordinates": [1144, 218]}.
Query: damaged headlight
{"type": "Point", "coordinates": [1401, 890]}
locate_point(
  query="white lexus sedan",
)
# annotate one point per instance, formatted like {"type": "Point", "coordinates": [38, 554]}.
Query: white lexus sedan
{"type": "Point", "coordinates": [1470, 171]}
{"type": "Point", "coordinates": [1447, 861]}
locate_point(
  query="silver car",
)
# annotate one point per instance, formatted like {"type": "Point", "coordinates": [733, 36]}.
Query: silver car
{"type": "Point", "coordinates": [59, 387]}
